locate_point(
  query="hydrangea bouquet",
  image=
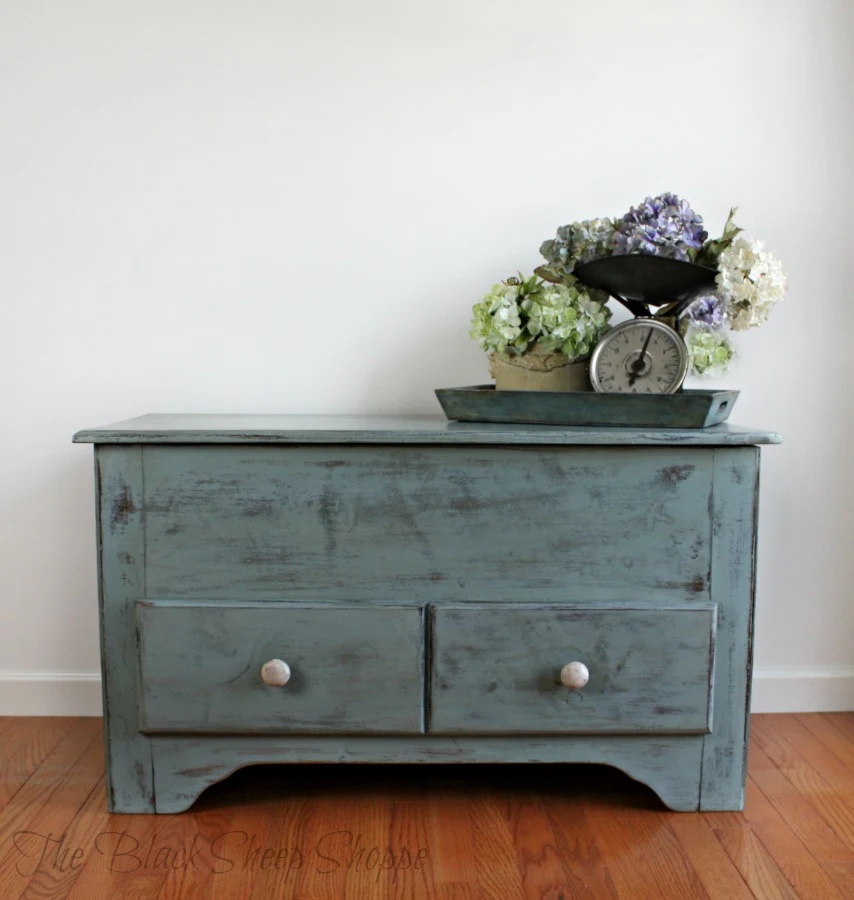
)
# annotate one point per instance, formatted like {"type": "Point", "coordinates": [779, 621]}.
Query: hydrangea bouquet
{"type": "Point", "coordinates": [535, 331]}
{"type": "Point", "coordinates": [559, 318]}
{"type": "Point", "coordinates": [749, 282]}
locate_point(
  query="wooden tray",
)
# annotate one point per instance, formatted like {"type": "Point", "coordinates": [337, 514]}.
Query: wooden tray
{"type": "Point", "coordinates": [686, 409]}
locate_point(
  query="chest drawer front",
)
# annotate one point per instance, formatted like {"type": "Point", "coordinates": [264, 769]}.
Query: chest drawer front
{"type": "Point", "coordinates": [498, 669]}
{"type": "Point", "coordinates": [346, 669]}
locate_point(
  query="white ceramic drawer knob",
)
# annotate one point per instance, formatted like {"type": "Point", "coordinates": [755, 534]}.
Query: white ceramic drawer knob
{"type": "Point", "coordinates": [574, 675]}
{"type": "Point", "coordinates": [276, 673]}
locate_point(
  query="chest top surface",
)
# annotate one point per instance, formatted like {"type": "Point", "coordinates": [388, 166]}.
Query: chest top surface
{"type": "Point", "coordinates": [180, 428]}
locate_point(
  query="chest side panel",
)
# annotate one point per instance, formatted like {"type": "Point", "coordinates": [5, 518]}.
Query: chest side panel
{"type": "Point", "coordinates": [427, 523]}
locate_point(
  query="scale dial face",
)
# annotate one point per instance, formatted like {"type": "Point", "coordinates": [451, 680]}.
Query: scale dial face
{"type": "Point", "coordinates": [640, 356]}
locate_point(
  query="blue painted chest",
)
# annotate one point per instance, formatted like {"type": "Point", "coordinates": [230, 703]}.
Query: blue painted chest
{"type": "Point", "coordinates": [284, 588]}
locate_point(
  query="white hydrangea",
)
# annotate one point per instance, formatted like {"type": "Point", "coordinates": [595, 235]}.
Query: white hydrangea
{"type": "Point", "coordinates": [751, 280]}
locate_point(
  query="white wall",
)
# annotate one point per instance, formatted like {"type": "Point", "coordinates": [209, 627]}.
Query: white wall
{"type": "Point", "coordinates": [218, 206]}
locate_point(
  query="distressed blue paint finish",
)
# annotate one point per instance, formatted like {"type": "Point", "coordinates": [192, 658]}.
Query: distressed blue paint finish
{"type": "Point", "coordinates": [121, 555]}
{"type": "Point", "coordinates": [734, 517]}
{"type": "Point", "coordinates": [353, 669]}
{"type": "Point", "coordinates": [671, 767]}
{"type": "Point", "coordinates": [241, 429]}
{"type": "Point", "coordinates": [685, 409]}
{"type": "Point", "coordinates": [519, 524]}
{"type": "Point", "coordinates": [222, 541]}
{"type": "Point", "coordinates": [497, 669]}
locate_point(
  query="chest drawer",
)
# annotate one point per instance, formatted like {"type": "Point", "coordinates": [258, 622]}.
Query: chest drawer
{"type": "Point", "coordinates": [498, 669]}
{"type": "Point", "coordinates": [347, 668]}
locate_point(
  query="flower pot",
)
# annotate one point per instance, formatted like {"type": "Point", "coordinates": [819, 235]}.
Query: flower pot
{"type": "Point", "coordinates": [538, 370]}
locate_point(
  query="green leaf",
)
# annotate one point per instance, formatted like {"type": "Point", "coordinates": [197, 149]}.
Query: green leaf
{"type": "Point", "coordinates": [730, 228]}
{"type": "Point", "coordinates": [550, 273]}
{"type": "Point", "coordinates": [710, 252]}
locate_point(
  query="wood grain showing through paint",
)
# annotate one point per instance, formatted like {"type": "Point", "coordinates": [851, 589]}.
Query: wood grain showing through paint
{"type": "Point", "coordinates": [425, 595]}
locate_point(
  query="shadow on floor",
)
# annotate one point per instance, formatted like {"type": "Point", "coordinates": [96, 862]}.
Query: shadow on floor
{"type": "Point", "coordinates": [273, 784]}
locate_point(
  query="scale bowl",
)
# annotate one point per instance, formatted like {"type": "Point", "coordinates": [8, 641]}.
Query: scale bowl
{"type": "Point", "coordinates": [654, 280]}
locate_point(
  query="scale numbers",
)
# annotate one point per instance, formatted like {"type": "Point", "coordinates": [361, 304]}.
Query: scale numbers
{"type": "Point", "coordinates": [641, 356]}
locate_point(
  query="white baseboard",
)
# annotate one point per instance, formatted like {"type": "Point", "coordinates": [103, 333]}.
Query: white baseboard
{"type": "Point", "coordinates": [803, 689]}
{"type": "Point", "coordinates": [50, 694]}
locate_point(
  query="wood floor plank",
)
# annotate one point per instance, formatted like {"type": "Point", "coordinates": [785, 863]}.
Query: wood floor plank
{"type": "Point", "coordinates": [642, 854]}
{"type": "Point", "coordinates": [835, 805]}
{"type": "Point", "coordinates": [45, 778]}
{"type": "Point", "coordinates": [336, 858]}
{"type": "Point", "coordinates": [229, 839]}
{"type": "Point", "coordinates": [232, 817]}
{"type": "Point", "coordinates": [843, 722]}
{"type": "Point", "coordinates": [486, 833]}
{"type": "Point", "coordinates": [821, 726]}
{"type": "Point", "coordinates": [801, 820]}
{"type": "Point", "coordinates": [57, 874]}
{"type": "Point", "coordinates": [762, 875]}
{"type": "Point", "coordinates": [15, 731]}
{"type": "Point", "coordinates": [369, 813]}
{"type": "Point", "coordinates": [715, 870]}
{"type": "Point", "coordinates": [176, 855]}
{"type": "Point", "coordinates": [275, 877]}
{"type": "Point", "coordinates": [408, 827]}
{"type": "Point", "coordinates": [141, 857]}
{"type": "Point", "coordinates": [583, 863]}
{"type": "Point", "coordinates": [44, 814]}
{"type": "Point", "coordinates": [793, 734]}
{"type": "Point", "coordinates": [125, 861]}
{"type": "Point", "coordinates": [794, 858]}
{"type": "Point", "coordinates": [498, 874]}
{"type": "Point", "coordinates": [451, 838]}
{"type": "Point", "coordinates": [321, 867]}
{"type": "Point", "coordinates": [8, 724]}
{"type": "Point", "coordinates": [25, 746]}
{"type": "Point", "coordinates": [537, 855]}
{"type": "Point", "coordinates": [757, 759]}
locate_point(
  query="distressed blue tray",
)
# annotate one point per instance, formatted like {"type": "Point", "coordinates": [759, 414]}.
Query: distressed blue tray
{"type": "Point", "coordinates": [685, 409]}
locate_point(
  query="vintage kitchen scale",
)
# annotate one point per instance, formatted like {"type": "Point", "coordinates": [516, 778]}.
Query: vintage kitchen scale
{"type": "Point", "coordinates": [645, 354]}
{"type": "Point", "coordinates": [637, 368]}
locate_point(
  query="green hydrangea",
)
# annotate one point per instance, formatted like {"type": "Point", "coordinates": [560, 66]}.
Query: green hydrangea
{"type": "Point", "coordinates": [709, 352]}
{"type": "Point", "coordinates": [559, 318]}
{"type": "Point", "coordinates": [496, 320]}
{"type": "Point", "coordinates": [565, 319]}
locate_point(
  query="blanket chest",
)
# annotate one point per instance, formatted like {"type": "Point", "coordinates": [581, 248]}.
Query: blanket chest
{"type": "Point", "coordinates": [341, 589]}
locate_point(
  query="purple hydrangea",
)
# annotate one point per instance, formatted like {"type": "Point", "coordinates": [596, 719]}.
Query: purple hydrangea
{"type": "Point", "coordinates": [661, 226]}
{"type": "Point", "coordinates": [707, 309]}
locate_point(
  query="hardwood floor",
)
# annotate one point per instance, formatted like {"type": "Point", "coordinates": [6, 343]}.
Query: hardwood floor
{"type": "Point", "coordinates": [368, 832]}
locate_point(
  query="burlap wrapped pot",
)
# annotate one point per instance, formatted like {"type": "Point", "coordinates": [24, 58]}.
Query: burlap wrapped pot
{"type": "Point", "coordinates": [539, 370]}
